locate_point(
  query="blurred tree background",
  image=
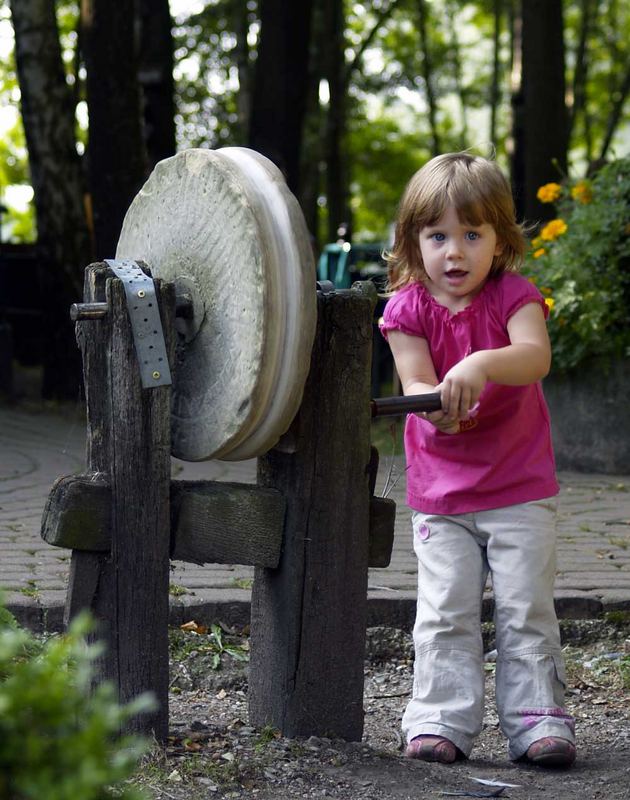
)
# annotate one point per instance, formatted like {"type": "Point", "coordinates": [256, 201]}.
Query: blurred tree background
{"type": "Point", "coordinates": [348, 98]}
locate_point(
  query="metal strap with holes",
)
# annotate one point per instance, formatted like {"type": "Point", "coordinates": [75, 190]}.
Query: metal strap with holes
{"type": "Point", "coordinates": [146, 325]}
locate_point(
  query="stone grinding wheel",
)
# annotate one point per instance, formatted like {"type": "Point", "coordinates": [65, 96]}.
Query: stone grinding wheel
{"type": "Point", "coordinates": [224, 227]}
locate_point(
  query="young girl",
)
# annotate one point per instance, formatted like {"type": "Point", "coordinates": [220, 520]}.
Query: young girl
{"type": "Point", "coordinates": [480, 472]}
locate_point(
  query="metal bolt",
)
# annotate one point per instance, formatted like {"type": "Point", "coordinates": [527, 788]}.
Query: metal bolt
{"type": "Point", "coordinates": [157, 375]}
{"type": "Point", "coordinates": [141, 293]}
{"type": "Point", "coordinates": [83, 311]}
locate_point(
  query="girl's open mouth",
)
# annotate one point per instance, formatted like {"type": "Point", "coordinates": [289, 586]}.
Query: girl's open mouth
{"type": "Point", "coordinates": [455, 274]}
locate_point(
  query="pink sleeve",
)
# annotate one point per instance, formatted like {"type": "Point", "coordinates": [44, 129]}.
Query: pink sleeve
{"type": "Point", "coordinates": [518, 292]}
{"type": "Point", "coordinates": [403, 313]}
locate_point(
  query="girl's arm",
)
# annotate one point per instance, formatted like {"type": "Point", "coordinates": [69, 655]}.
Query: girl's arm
{"type": "Point", "coordinates": [417, 373]}
{"type": "Point", "coordinates": [525, 360]}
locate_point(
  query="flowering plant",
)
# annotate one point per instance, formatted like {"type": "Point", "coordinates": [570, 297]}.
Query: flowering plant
{"type": "Point", "coordinates": [581, 263]}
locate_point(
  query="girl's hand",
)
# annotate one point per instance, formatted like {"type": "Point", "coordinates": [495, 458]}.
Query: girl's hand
{"type": "Point", "coordinates": [440, 420]}
{"type": "Point", "coordinates": [462, 387]}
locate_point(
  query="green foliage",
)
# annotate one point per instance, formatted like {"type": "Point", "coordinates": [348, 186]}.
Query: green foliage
{"type": "Point", "coordinates": [213, 65]}
{"type": "Point", "coordinates": [59, 738]}
{"type": "Point", "coordinates": [383, 158]}
{"type": "Point", "coordinates": [607, 56]}
{"type": "Point", "coordinates": [214, 642]}
{"type": "Point", "coordinates": [388, 98]}
{"type": "Point", "coordinates": [585, 270]}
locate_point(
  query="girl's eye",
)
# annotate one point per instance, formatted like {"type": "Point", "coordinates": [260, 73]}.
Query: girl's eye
{"type": "Point", "coordinates": [472, 235]}
{"type": "Point", "coordinates": [438, 237]}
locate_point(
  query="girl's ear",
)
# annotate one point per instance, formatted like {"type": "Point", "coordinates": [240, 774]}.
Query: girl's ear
{"type": "Point", "coordinates": [499, 248]}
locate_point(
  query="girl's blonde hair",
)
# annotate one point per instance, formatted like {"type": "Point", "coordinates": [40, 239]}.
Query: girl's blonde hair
{"type": "Point", "coordinates": [479, 192]}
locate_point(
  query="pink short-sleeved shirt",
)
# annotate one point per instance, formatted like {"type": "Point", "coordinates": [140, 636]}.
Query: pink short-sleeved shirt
{"type": "Point", "coordinates": [501, 456]}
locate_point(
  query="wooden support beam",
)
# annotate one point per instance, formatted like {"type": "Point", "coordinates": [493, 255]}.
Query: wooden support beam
{"type": "Point", "coordinates": [126, 588]}
{"type": "Point", "coordinates": [212, 522]}
{"type": "Point", "coordinates": [381, 533]}
{"type": "Point", "coordinates": [309, 616]}
{"type": "Point", "coordinates": [78, 513]}
{"type": "Point", "coordinates": [226, 523]}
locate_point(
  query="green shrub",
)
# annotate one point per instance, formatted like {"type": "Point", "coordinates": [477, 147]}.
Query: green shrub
{"type": "Point", "coordinates": [581, 262]}
{"type": "Point", "coordinates": [59, 736]}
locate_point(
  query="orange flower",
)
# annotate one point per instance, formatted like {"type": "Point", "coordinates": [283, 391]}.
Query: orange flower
{"type": "Point", "coordinates": [582, 192]}
{"type": "Point", "coordinates": [540, 252]}
{"type": "Point", "coordinates": [549, 192]}
{"type": "Point", "coordinates": [553, 229]}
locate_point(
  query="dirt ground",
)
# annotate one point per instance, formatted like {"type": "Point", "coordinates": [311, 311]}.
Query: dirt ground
{"type": "Point", "coordinates": [213, 752]}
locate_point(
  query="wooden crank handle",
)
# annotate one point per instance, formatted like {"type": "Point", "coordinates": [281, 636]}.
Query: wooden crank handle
{"type": "Point", "coordinates": [393, 406]}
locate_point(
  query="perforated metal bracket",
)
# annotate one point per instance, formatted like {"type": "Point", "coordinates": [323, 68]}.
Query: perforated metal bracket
{"type": "Point", "coordinates": [146, 325]}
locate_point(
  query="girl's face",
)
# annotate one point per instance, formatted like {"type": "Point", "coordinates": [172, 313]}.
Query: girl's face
{"type": "Point", "coordinates": [457, 258]}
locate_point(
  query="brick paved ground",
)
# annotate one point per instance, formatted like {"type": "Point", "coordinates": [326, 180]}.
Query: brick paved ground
{"type": "Point", "coordinates": [37, 446]}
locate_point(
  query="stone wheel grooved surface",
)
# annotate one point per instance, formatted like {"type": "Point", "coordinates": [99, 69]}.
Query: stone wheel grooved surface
{"type": "Point", "coordinates": [226, 222]}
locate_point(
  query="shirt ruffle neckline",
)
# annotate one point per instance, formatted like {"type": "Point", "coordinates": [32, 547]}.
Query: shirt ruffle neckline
{"type": "Point", "coordinates": [446, 312]}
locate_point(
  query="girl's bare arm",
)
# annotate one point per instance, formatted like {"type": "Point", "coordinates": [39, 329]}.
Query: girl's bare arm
{"type": "Point", "coordinates": [417, 373]}
{"type": "Point", "coordinates": [525, 360]}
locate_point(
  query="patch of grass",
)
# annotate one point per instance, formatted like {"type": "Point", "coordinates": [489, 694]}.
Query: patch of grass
{"type": "Point", "coordinates": [618, 542]}
{"type": "Point", "coordinates": [267, 734]}
{"type": "Point", "coordinates": [175, 590]}
{"type": "Point", "coordinates": [31, 590]}
{"type": "Point", "coordinates": [156, 771]}
{"type": "Point", "coordinates": [612, 673]}
{"type": "Point", "coordinates": [620, 619]}
{"type": "Point", "coordinates": [243, 583]}
{"type": "Point", "coordinates": [213, 641]}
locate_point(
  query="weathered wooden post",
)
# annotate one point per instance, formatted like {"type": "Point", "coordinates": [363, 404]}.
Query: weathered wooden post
{"type": "Point", "coordinates": [309, 614]}
{"type": "Point", "coordinates": [128, 450]}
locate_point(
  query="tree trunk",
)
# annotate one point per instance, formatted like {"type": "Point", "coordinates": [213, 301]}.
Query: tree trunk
{"type": "Point", "coordinates": [156, 79]}
{"type": "Point", "coordinates": [63, 237]}
{"type": "Point", "coordinates": [495, 92]}
{"type": "Point", "coordinates": [337, 181]}
{"type": "Point", "coordinates": [117, 157]}
{"type": "Point", "coordinates": [427, 74]}
{"type": "Point", "coordinates": [621, 95]}
{"type": "Point", "coordinates": [543, 135]}
{"type": "Point", "coordinates": [580, 73]}
{"type": "Point", "coordinates": [279, 99]}
{"type": "Point", "coordinates": [243, 61]}
{"type": "Point", "coordinates": [312, 156]}
{"type": "Point", "coordinates": [458, 70]}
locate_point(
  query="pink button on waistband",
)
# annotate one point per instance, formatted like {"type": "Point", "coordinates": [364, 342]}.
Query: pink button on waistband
{"type": "Point", "coordinates": [424, 531]}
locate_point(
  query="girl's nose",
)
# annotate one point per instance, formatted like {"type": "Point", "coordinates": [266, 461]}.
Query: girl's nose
{"type": "Point", "coordinates": [453, 250]}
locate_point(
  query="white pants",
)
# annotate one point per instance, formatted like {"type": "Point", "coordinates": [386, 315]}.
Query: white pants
{"type": "Point", "coordinates": [518, 546]}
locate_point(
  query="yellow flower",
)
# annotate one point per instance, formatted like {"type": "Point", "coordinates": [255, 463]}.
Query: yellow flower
{"type": "Point", "coordinates": [536, 242]}
{"type": "Point", "coordinates": [550, 302]}
{"type": "Point", "coordinates": [545, 290]}
{"type": "Point", "coordinates": [540, 252]}
{"type": "Point", "coordinates": [553, 229]}
{"type": "Point", "coordinates": [549, 192]}
{"type": "Point", "coordinates": [582, 192]}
